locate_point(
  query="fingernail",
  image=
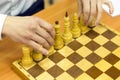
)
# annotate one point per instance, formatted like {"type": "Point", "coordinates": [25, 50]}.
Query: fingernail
{"type": "Point", "coordinates": [96, 24]}
{"type": "Point", "coordinates": [47, 52]}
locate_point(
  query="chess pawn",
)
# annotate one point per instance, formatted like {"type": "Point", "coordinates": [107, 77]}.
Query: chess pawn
{"type": "Point", "coordinates": [84, 28]}
{"type": "Point", "coordinates": [76, 32]}
{"type": "Point", "coordinates": [67, 35]}
{"type": "Point", "coordinates": [37, 56]}
{"type": "Point", "coordinates": [26, 59]}
{"type": "Point", "coordinates": [92, 24]}
{"type": "Point", "coordinates": [58, 39]}
{"type": "Point", "coordinates": [51, 50]}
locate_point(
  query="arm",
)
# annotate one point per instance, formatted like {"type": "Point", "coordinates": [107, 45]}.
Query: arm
{"type": "Point", "coordinates": [2, 19]}
{"type": "Point", "coordinates": [31, 31]}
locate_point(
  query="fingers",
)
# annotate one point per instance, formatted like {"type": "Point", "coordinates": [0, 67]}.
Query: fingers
{"type": "Point", "coordinates": [48, 27]}
{"type": "Point", "coordinates": [41, 41]}
{"type": "Point", "coordinates": [80, 7]}
{"type": "Point", "coordinates": [99, 8]}
{"type": "Point", "coordinates": [37, 47]}
{"type": "Point", "coordinates": [109, 4]}
{"type": "Point", "coordinates": [86, 10]}
{"type": "Point", "coordinates": [92, 12]}
{"type": "Point", "coordinates": [41, 32]}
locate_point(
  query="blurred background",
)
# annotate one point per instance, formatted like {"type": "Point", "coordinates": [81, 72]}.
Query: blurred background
{"type": "Point", "coordinates": [50, 2]}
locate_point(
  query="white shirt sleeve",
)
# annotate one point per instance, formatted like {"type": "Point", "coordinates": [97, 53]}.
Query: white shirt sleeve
{"type": "Point", "coordinates": [2, 19]}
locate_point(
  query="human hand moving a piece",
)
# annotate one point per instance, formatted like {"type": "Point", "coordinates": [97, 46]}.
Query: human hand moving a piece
{"type": "Point", "coordinates": [92, 10]}
{"type": "Point", "coordinates": [31, 31]}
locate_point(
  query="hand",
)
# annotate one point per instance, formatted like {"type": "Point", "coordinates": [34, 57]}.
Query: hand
{"type": "Point", "coordinates": [92, 8]}
{"type": "Point", "coordinates": [30, 30]}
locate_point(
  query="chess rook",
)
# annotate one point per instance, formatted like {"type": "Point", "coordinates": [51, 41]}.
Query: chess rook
{"type": "Point", "coordinates": [26, 59]}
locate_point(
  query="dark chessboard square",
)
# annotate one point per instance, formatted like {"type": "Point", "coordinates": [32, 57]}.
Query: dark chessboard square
{"type": "Point", "coordinates": [56, 57]}
{"type": "Point", "coordinates": [75, 45]}
{"type": "Point", "coordinates": [112, 59]}
{"type": "Point", "coordinates": [92, 34]}
{"type": "Point", "coordinates": [110, 46]}
{"type": "Point", "coordinates": [113, 72]}
{"type": "Point", "coordinates": [75, 57]}
{"type": "Point", "coordinates": [36, 70]}
{"type": "Point", "coordinates": [55, 71]}
{"type": "Point", "coordinates": [74, 71]}
{"type": "Point", "coordinates": [92, 45]}
{"type": "Point", "coordinates": [109, 34]}
{"type": "Point", "coordinates": [93, 58]}
{"type": "Point", "coordinates": [94, 72]}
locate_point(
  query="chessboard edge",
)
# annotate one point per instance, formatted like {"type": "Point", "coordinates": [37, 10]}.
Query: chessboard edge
{"type": "Point", "coordinates": [111, 29]}
{"type": "Point", "coordinates": [15, 66]}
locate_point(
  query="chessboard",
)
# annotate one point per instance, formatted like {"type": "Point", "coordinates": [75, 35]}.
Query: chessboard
{"type": "Point", "coordinates": [95, 55]}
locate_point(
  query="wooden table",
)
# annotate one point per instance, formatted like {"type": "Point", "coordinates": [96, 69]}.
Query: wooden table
{"type": "Point", "coordinates": [10, 51]}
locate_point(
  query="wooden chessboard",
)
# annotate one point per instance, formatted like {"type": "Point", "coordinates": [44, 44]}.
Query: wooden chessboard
{"type": "Point", "coordinates": [95, 55]}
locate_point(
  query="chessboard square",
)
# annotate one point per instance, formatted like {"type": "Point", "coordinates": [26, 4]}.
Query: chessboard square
{"type": "Point", "coordinates": [46, 64]}
{"type": "Point", "coordinates": [112, 59]}
{"type": "Point", "coordinates": [103, 65]}
{"type": "Point", "coordinates": [100, 40]}
{"type": "Point", "coordinates": [118, 78]}
{"type": "Point", "coordinates": [116, 40]}
{"type": "Point", "coordinates": [109, 34]}
{"type": "Point", "coordinates": [92, 45]}
{"type": "Point", "coordinates": [84, 76]}
{"type": "Point", "coordinates": [74, 58]}
{"type": "Point", "coordinates": [93, 58]}
{"type": "Point", "coordinates": [74, 45]}
{"type": "Point", "coordinates": [117, 52]}
{"type": "Point", "coordinates": [83, 39]}
{"type": "Point", "coordinates": [44, 76]}
{"type": "Point", "coordinates": [104, 77]}
{"type": "Point", "coordinates": [100, 29]}
{"type": "Point", "coordinates": [84, 64]}
{"type": "Point", "coordinates": [56, 57]}
{"type": "Point", "coordinates": [110, 46]}
{"type": "Point", "coordinates": [84, 51]}
{"type": "Point", "coordinates": [55, 71]}
{"type": "Point", "coordinates": [74, 71]}
{"type": "Point", "coordinates": [113, 72]}
{"type": "Point", "coordinates": [65, 64]}
{"type": "Point", "coordinates": [65, 51]}
{"type": "Point", "coordinates": [35, 70]}
{"type": "Point", "coordinates": [117, 65]}
{"type": "Point", "coordinates": [91, 34]}
{"type": "Point", "coordinates": [94, 72]}
{"type": "Point", "coordinates": [64, 76]}
{"type": "Point", "coordinates": [102, 52]}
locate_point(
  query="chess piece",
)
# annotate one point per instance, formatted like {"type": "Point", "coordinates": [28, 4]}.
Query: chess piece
{"type": "Point", "coordinates": [37, 56]}
{"type": "Point", "coordinates": [67, 35]}
{"type": "Point", "coordinates": [84, 28]}
{"type": "Point", "coordinates": [76, 32]}
{"type": "Point", "coordinates": [51, 50]}
{"type": "Point", "coordinates": [26, 59]}
{"type": "Point", "coordinates": [58, 39]}
{"type": "Point", "coordinates": [92, 24]}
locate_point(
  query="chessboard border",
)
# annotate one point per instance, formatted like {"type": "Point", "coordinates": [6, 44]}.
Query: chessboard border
{"type": "Point", "coordinates": [20, 70]}
{"type": "Point", "coordinates": [26, 76]}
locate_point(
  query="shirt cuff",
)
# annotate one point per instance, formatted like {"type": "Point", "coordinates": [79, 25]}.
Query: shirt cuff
{"type": "Point", "coordinates": [2, 19]}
